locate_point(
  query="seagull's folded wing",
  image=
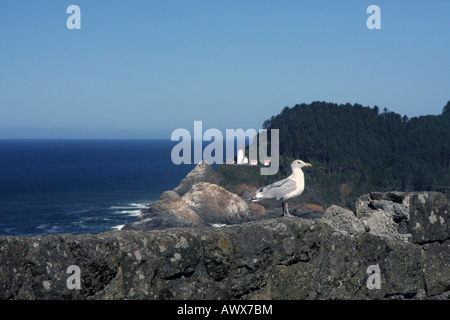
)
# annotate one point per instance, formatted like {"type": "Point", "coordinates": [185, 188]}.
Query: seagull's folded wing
{"type": "Point", "coordinates": [277, 189]}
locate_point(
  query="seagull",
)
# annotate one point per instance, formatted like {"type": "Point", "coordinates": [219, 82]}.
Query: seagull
{"type": "Point", "coordinates": [285, 189]}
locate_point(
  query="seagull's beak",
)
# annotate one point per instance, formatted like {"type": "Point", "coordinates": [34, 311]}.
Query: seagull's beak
{"type": "Point", "coordinates": [309, 165]}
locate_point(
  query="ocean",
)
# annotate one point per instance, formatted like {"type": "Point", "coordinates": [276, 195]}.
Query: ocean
{"type": "Point", "coordinates": [81, 186]}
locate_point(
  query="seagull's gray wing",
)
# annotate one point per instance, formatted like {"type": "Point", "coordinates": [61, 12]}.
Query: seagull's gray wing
{"type": "Point", "coordinates": [277, 190]}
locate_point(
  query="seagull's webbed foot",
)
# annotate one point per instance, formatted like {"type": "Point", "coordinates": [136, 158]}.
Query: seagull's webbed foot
{"type": "Point", "coordinates": [286, 211]}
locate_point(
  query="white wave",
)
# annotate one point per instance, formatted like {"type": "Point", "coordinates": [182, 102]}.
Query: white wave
{"type": "Point", "coordinates": [129, 212]}
{"type": "Point", "coordinates": [129, 206]}
{"type": "Point", "coordinates": [47, 228]}
{"type": "Point", "coordinates": [119, 227]}
{"type": "Point", "coordinates": [139, 205]}
{"type": "Point", "coordinates": [218, 225]}
{"type": "Point", "coordinates": [81, 211]}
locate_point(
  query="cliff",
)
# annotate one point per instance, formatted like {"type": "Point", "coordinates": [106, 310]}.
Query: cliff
{"type": "Point", "coordinates": [394, 246]}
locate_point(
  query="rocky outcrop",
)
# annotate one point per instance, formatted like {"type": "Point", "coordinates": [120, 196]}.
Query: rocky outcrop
{"type": "Point", "coordinates": [195, 202]}
{"type": "Point", "coordinates": [169, 211]}
{"type": "Point", "coordinates": [201, 173]}
{"type": "Point", "coordinates": [344, 255]}
{"type": "Point", "coordinates": [204, 203]}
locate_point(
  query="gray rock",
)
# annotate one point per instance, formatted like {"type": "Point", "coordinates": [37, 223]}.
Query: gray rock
{"type": "Point", "coordinates": [429, 217]}
{"type": "Point", "coordinates": [420, 217]}
{"type": "Point", "coordinates": [379, 212]}
{"type": "Point", "coordinates": [343, 219]}
{"type": "Point", "coordinates": [36, 267]}
{"type": "Point", "coordinates": [436, 268]}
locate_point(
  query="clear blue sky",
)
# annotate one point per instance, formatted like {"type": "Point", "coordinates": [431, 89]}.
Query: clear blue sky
{"type": "Point", "coordinates": [144, 68]}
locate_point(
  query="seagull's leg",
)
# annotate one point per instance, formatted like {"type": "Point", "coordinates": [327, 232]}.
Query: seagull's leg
{"type": "Point", "coordinates": [286, 212]}
{"type": "Point", "coordinates": [282, 206]}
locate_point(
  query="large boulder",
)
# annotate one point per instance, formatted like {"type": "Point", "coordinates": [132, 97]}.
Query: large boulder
{"type": "Point", "coordinates": [214, 204]}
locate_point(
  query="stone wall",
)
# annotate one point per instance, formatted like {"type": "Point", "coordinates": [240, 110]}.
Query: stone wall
{"type": "Point", "coordinates": [395, 246]}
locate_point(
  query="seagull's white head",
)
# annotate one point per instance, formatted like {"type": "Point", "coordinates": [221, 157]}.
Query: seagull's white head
{"type": "Point", "coordinates": [298, 164]}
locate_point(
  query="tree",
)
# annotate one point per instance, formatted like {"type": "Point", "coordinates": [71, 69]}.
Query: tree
{"type": "Point", "coordinates": [376, 110]}
{"type": "Point", "coordinates": [446, 109]}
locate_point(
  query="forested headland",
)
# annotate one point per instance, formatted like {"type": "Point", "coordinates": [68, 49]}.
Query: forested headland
{"type": "Point", "coordinates": [356, 149]}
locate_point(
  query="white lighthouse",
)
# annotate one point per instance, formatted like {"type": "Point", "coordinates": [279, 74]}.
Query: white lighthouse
{"type": "Point", "coordinates": [240, 155]}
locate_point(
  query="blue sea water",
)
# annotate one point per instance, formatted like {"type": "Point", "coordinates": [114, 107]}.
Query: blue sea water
{"type": "Point", "coordinates": [81, 186]}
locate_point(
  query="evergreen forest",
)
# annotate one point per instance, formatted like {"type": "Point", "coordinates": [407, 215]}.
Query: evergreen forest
{"type": "Point", "coordinates": [356, 149]}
